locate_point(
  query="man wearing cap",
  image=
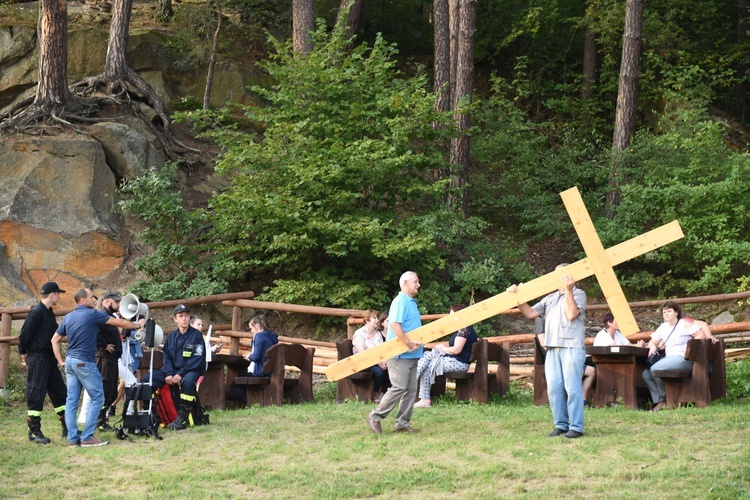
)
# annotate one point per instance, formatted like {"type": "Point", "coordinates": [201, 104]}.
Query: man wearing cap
{"type": "Point", "coordinates": [109, 350]}
{"type": "Point", "coordinates": [81, 326]}
{"type": "Point", "coordinates": [184, 363]}
{"type": "Point", "coordinates": [35, 347]}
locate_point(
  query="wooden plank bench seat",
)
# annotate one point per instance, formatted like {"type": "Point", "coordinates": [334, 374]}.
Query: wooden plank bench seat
{"type": "Point", "coordinates": [705, 382]}
{"type": "Point", "coordinates": [357, 386]}
{"type": "Point", "coordinates": [273, 390]}
{"type": "Point", "coordinates": [479, 384]}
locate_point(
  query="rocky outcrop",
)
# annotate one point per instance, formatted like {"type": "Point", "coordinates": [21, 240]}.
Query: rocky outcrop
{"type": "Point", "coordinates": [128, 151]}
{"type": "Point", "coordinates": [56, 219]}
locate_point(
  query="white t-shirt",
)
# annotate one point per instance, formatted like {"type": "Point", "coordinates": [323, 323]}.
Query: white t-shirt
{"type": "Point", "coordinates": [371, 340]}
{"type": "Point", "coordinates": [678, 340]}
{"type": "Point", "coordinates": [603, 338]}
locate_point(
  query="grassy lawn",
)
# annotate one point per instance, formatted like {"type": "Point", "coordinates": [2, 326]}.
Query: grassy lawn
{"type": "Point", "coordinates": [464, 450]}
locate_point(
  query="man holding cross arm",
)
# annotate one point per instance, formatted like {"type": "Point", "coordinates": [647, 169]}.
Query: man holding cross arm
{"type": "Point", "coordinates": [403, 317]}
{"type": "Point", "coordinates": [563, 312]}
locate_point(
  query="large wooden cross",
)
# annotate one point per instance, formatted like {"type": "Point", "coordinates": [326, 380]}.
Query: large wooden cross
{"type": "Point", "coordinates": [598, 262]}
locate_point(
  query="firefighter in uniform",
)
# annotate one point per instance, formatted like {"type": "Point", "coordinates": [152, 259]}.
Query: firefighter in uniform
{"type": "Point", "coordinates": [184, 363]}
{"type": "Point", "coordinates": [44, 377]}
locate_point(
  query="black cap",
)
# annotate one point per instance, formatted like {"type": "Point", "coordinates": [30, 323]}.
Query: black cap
{"type": "Point", "coordinates": [112, 295]}
{"type": "Point", "coordinates": [51, 287]}
{"type": "Point", "coordinates": [182, 308]}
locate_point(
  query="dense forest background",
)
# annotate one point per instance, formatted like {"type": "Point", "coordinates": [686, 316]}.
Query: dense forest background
{"type": "Point", "coordinates": [342, 174]}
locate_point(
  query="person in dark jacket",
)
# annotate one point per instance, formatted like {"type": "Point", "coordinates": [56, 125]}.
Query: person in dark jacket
{"type": "Point", "coordinates": [184, 364]}
{"type": "Point", "coordinates": [108, 352]}
{"type": "Point", "coordinates": [263, 339]}
{"type": "Point", "coordinates": [35, 347]}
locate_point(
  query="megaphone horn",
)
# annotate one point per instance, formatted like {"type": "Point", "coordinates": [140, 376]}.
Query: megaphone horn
{"type": "Point", "coordinates": [131, 307]}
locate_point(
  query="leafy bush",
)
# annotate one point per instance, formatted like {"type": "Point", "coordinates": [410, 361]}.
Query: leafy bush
{"type": "Point", "coordinates": [689, 174]}
{"type": "Point", "coordinates": [738, 380]}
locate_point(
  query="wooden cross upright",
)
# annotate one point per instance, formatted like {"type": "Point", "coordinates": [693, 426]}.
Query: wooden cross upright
{"type": "Point", "coordinates": [598, 262]}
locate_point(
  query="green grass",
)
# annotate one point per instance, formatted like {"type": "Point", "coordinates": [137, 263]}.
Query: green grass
{"type": "Point", "coordinates": [464, 450]}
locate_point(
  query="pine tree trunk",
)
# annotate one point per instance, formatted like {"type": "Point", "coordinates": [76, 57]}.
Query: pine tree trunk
{"type": "Point", "coordinates": [354, 19]}
{"type": "Point", "coordinates": [115, 65]}
{"type": "Point", "coordinates": [454, 20]}
{"type": "Point", "coordinates": [303, 23]}
{"type": "Point", "coordinates": [214, 52]}
{"type": "Point", "coordinates": [464, 88]}
{"type": "Point", "coordinates": [589, 64]}
{"type": "Point", "coordinates": [627, 96]}
{"type": "Point", "coordinates": [164, 10]}
{"type": "Point", "coordinates": [740, 88]}
{"type": "Point", "coordinates": [52, 32]}
{"type": "Point", "coordinates": [442, 64]}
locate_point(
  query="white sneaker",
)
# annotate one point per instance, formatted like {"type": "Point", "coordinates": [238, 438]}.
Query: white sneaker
{"type": "Point", "coordinates": [423, 403]}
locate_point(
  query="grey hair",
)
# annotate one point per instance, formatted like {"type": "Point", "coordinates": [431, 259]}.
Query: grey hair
{"type": "Point", "coordinates": [406, 277]}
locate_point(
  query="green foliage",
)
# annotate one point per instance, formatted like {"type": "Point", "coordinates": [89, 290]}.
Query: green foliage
{"type": "Point", "coordinates": [688, 174]}
{"type": "Point", "coordinates": [524, 165]}
{"type": "Point", "coordinates": [339, 195]}
{"type": "Point", "coordinates": [738, 380]}
{"type": "Point", "coordinates": [180, 263]}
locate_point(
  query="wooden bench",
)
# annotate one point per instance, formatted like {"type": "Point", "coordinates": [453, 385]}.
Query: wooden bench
{"type": "Point", "coordinates": [478, 386]}
{"type": "Point", "coordinates": [700, 385]}
{"type": "Point", "coordinates": [145, 362]}
{"type": "Point", "coordinates": [540, 381]}
{"type": "Point", "coordinates": [357, 386]}
{"type": "Point", "coordinates": [273, 390]}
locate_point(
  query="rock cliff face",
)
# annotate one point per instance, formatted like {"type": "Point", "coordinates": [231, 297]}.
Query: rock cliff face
{"type": "Point", "coordinates": [57, 194]}
{"type": "Point", "coordinates": [56, 220]}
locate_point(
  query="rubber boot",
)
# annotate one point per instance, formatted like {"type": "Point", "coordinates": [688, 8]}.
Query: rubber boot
{"type": "Point", "coordinates": [181, 422]}
{"type": "Point", "coordinates": [102, 423]}
{"type": "Point", "coordinates": [35, 430]}
{"type": "Point", "coordinates": [63, 424]}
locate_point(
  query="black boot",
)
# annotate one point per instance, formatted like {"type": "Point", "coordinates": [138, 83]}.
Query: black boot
{"type": "Point", "coordinates": [35, 430]}
{"type": "Point", "coordinates": [102, 423]}
{"type": "Point", "coordinates": [181, 422]}
{"type": "Point", "coordinates": [63, 424]}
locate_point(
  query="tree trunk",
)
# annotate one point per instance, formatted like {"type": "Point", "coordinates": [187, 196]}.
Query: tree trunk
{"type": "Point", "coordinates": [354, 19]}
{"type": "Point", "coordinates": [212, 61]}
{"type": "Point", "coordinates": [164, 10]}
{"type": "Point", "coordinates": [454, 20]}
{"type": "Point", "coordinates": [589, 64]}
{"type": "Point", "coordinates": [442, 64]}
{"type": "Point", "coordinates": [740, 88]}
{"type": "Point", "coordinates": [303, 23]}
{"type": "Point", "coordinates": [627, 96]}
{"type": "Point", "coordinates": [464, 87]}
{"type": "Point", "coordinates": [52, 32]}
{"type": "Point", "coordinates": [115, 65]}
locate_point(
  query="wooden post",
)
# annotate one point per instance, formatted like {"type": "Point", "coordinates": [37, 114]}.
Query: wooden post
{"type": "Point", "coordinates": [234, 344]}
{"type": "Point", "coordinates": [495, 305]}
{"type": "Point", "coordinates": [7, 320]}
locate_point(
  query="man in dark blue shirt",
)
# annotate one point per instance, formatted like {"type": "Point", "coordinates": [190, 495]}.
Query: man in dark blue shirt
{"type": "Point", "coordinates": [81, 326]}
{"type": "Point", "coordinates": [35, 347]}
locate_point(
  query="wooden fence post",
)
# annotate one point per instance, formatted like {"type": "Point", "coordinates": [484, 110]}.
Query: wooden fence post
{"type": "Point", "coordinates": [234, 343]}
{"type": "Point", "coordinates": [7, 320]}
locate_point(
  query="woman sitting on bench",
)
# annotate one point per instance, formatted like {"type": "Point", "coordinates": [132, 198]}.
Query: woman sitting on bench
{"type": "Point", "coordinates": [262, 341]}
{"type": "Point", "coordinates": [368, 337]}
{"type": "Point", "coordinates": [453, 355]}
{"type": "Point", "coordinates": [672, 336]}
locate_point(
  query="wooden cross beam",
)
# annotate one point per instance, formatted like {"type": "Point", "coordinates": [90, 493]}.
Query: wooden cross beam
{"type": "Point", "coordinates": [598, 262]}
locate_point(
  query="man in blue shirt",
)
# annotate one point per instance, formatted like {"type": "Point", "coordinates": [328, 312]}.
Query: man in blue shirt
{"type": "Point", "coordinates": [81, 326]}
{"type": "Point", "coordinates": [403, 317]}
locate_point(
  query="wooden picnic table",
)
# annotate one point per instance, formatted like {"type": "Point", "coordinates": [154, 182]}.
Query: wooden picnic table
{"type": "Point", "coordinates": [619, 371]}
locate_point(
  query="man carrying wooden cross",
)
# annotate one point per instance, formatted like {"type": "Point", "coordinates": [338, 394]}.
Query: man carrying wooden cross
{"type": "Point", "coordinates": [563, 312]}
{"type": "Point", "coordinates": [403, 317]}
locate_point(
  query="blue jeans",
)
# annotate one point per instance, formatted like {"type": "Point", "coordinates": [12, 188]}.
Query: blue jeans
{"type": "Point", "coordinates": [563, 368]}
{"type": "Point", "coordinates": [82, 375]}
{"type": "Point", "coordinates": [655, 384]}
